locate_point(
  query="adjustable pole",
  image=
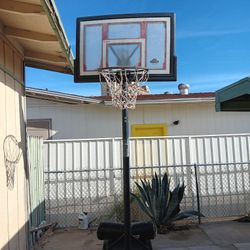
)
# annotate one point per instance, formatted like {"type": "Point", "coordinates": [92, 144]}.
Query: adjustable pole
{"type": "Point", "coordinates": [124, 77]}
{"type": "Point", "coordinates": [126, 180]}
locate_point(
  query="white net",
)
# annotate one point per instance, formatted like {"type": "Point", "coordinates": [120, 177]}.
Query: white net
{"type": "Point", "coordinates": [11, 157]}
{"type": "Point", "coordinates": [124, 85]}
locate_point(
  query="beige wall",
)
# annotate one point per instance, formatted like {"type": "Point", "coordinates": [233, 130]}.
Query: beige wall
{"type": "Point", "coordinates": [99, 121]}
{"type": "Point", "coordinates": [13, 203]}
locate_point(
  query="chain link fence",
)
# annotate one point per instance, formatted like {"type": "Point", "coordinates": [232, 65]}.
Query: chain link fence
{"type": "Point", "coordinates": [224, 189]}
{"type": "Point", "coordinates": [219, 190]}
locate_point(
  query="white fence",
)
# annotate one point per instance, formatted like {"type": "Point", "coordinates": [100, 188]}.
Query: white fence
{"type": "Point", "coordinates": [85, 175]}
{"type": "Point", "coordinates": [157, 151]}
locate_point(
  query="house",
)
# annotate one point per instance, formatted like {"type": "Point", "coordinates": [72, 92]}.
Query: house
{"type": "Point", "coordinates": [64, 116]}
{"type": "Point", "coordinates": [234, 97]}
{"type": "Point", "coordinates": [30, 34]}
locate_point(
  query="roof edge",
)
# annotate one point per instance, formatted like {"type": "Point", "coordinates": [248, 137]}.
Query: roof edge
{"type": "Point", "coordinates": [51, 11]}
{"type": "Point", "coordinates": [231, 91]}
{"type": "Point", "coordinates": [55, 95]}
{"type": "Point", "coordinates": [39, 93]}
{"type": "Point", "coordinates": [232, 85]}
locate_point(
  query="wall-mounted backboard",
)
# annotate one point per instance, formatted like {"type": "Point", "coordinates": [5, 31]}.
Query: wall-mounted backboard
{"type": "Point", "coordinates": [131, 40]}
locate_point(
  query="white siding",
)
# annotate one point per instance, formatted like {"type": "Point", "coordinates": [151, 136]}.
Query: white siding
{"type": "Point", "coordinates": [99, 121]}
{"type": "Point", "coordinates": [13, 201]}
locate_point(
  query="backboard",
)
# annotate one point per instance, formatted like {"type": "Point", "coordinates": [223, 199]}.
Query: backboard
{"type": "Point", "coordinates": [131, 40]}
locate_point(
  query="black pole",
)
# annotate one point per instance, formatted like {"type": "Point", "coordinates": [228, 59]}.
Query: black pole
{"type": "Point", "coordinates": [126, 180]}
{"type": "Point", "coordinates": [197, 193]}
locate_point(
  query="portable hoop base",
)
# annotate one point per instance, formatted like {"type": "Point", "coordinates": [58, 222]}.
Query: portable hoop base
{"type": "Point", "coordinates": [113, 235]}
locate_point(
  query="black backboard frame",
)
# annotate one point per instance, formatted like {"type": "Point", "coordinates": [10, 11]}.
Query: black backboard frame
{"type": "Point", "coordinates": [172, 76]}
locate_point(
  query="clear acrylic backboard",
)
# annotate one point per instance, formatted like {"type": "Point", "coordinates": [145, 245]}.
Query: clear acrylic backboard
{"type": "Point", "coordinates": [131, 40]}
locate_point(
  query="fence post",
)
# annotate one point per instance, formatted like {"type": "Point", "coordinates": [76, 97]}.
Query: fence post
{"type": "Point", "coordinates": [197, 192]}
{"type": "Point", "coordinates": [188, 149]}
{"type": "Point", "coordinates": [111, 167]}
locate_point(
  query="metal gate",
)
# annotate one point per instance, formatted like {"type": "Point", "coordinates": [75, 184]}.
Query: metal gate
{"type": "Point", "coordinates": [36, 181]}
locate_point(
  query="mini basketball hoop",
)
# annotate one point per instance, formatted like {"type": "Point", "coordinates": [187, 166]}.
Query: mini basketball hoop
{"type": "Point", "coordinates": [12, 155]}
{"type": "Point", "coordinates": [124, 84]}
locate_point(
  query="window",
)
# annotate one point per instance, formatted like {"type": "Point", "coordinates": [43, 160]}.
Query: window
{"type": "Point", "coordinates": [40, 127]}
{"type": "Point", "coordinates": [144, 130]}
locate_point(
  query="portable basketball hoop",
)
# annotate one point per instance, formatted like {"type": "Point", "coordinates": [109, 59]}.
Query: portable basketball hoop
{"type": "Point", "coordinates": [124, 85]}
{"type": "Point", "coordinates": [12, 155]}
{"type": "Point", "coordinates": [122, 52]}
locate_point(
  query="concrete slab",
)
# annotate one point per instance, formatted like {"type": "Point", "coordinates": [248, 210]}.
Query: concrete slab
{"type": "Point", "coordinates": [178, 248]}
{"type": "Point", "coordinates": [192, 248]}
{"type": "Point", "coordinates": [227, 233]}
{"type": "Point", "coordinates": [179, 239]}
{"type": "Point", "coordinates": [73, 239]}
{"type": "Point", "coordinates": [242, 246]}
{"type": "Point", "coordinates": [205, 248]}
{"type": "Point", "coordinates": [210, 236]}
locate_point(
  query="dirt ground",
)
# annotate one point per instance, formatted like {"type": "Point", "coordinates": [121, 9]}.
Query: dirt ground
{"type": "Point", "coordinates": [211, 236]}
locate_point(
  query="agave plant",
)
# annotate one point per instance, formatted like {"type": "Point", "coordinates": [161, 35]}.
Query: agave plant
{"type": "Point", "coordinates": [161, 204]}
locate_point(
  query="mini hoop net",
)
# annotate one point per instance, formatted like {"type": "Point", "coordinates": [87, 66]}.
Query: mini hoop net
{"type": "Point", "coordinates": [124, 85]}
{"type": "Point", "coordinates": [12, 155]}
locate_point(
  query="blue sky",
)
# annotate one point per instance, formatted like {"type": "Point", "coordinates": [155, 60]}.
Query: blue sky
{"type": "Point", "coordinates": [212, 42]}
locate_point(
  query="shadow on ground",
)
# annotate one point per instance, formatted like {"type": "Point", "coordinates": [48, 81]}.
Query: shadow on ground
{"type": "Point", "coordinates": [211, 236]}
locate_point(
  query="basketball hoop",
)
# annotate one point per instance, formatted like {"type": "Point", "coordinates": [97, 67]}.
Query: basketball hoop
{"type": "Point", "coordinates": [124, 84]}
{"type": "Point", "coordinates": [122, 42]}
{"type": "Point", "coordinates": [12, 155]}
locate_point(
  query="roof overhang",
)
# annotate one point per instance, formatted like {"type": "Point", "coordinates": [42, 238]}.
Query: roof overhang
{"type": "Point", "coordinates": [170, 101]}
{"type": "Point", "coordinates": [35, 26]}
{"type": "Point", "coordinates": [59, 97]}
{"type": "Point", "coordinates": [107, 100]}
{"type": "Point", "coordinates": [235, 97]}
{"type": "Point", "coordinates": [167, 99]}
{"type": "Point", "coordinates": [177, 100]}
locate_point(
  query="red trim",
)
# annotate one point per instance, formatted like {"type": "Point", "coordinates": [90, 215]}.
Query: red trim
{"type": "Point", "coordinates": [164, 65]}
{"type": "Point", "coordinates": [106, 59]}
{"type": "Point", "coordinates": [143, 30]}
{"type": "Point", "coordinates": [104, 37]}
{"type": "Point", "coordinates": [105, 31]}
